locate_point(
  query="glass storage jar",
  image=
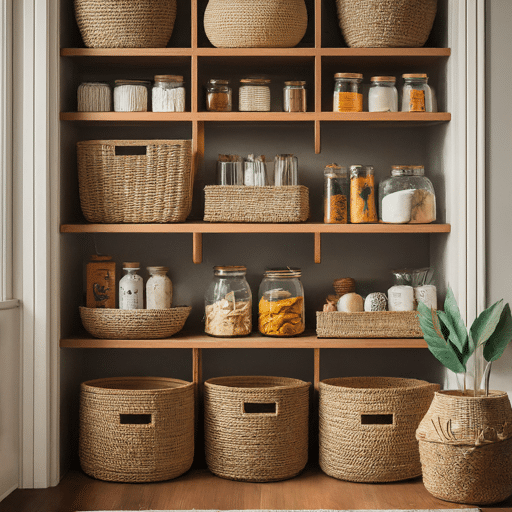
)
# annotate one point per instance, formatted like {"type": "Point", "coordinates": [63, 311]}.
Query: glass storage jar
{"type": "Point", "coordinates": [131, 287]}
{"type": "Point", "coordinates": [286, 170]}
{"type": "Point", "coordinates": [407, 196]}
{"type": "Point", "coordinates": [219, 97]}
{"type": "Point", "coordinates": [294, 97]}
{"type": "Point", "coordinates": [336, 193]}
{"type": "Point", "coordinates": [362, 194]}
{"type": "Point", "coordinates": [347, 92]}
{"type": "Point", "coordinates": [158, 289]}
{"type": "Point", "coordinates": [254, 95]}
{"type": "Point", "coordinates": [131, 95]}
{"type": "Point", "coordinates": [281, 303]}
{"type": "Point", "coordinates": [168, 94]}
{"type": "Point", "coordinates": [228, 303]}
{"type": "Point", "coordinates": [383, 96]}
{"type": "Point", "coordinates": [417, 95]}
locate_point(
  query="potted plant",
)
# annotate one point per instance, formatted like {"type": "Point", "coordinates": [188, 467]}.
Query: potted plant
{"type": "Point", "coordinates": [465, 438]}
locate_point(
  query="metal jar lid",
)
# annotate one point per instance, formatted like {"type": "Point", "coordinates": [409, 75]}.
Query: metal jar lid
{"type": "Point", "coordinates": [218, 81]}
{"type": "Point", "coordinates": [407, 170]}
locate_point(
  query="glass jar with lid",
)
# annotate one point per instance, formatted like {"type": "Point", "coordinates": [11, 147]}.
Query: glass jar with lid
{"type": "Point", "coordinates": [383, 96]}
{"type": "Point", "coordinates": [131, 95]}
{"type": "Point", "coordinates": [362, 194]}
{"type": "Point", "coordinates": [281, 303]}
{"type": "Point", "coordinates": [158, 289]}
{"type": "Point", "coordinates": [228, 303]}
{"type": "Point", "coordinates": [219, 97]}
{"type": "Point", "coordinates": [168, 94]}
{"type": "Point", "coordinates": [294, 96]}
{"type": "Point", "coordinates": [254, 95]}
{"type": "Point", "coordinates": [336, 193]}
{"type": "Point", "coordinates": [417, 96]}
{"type": "Point", "coordinates": [407, 196]}
{"type": "Point", "coordinates": [347, 92]}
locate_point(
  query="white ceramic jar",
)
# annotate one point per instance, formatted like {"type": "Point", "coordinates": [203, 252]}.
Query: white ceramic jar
{"type": "Point", "coordinates": [158, 289]}
{"type": "Point", "coordinates": [131, 288]}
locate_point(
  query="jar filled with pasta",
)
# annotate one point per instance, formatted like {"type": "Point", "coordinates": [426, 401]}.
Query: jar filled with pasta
{"type": "Point", "coordinates": [347, 92]}
{"type": "Point", "coordinates": [362, 194]}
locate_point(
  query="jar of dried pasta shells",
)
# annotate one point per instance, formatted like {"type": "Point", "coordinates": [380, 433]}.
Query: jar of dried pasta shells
{"type": "Point", "coordinates": [281, 305]}
{"type": "Point", "coordinates": [228, 303]}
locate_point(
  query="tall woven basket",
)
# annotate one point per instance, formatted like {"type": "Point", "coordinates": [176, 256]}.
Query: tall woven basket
{"type": "Point", "coordinates": [155, 186]}
{"type": "Point", "coordinates": [256, 428]}
{"type": "Point", "coordinates": [386, 23]}
{"type": "Point", "coordinates": [125, 23]}
{"type": "Point", "coordinates": [466, 447]}
{"type": "Point", "coordinates": [367, 427]}
{"type": "Point", "coordinates": [136, 429]}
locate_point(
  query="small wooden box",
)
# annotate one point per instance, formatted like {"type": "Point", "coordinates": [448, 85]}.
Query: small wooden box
{"type": "Point", "coordinates": [101, 282]}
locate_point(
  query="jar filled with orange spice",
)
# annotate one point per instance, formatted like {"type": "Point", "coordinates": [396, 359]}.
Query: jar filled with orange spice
{"type": "Point", "coordinates": [347, 92]}
{"type": "Point", "coordinates": [362, 194]}
{"type": "Point", "coordinates": [336, 193]}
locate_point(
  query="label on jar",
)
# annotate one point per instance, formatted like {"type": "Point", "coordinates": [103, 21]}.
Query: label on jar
{"type": "Point", "coordinates": [348, 102]}
{"type": "Point", "coordinates": [417, 101]}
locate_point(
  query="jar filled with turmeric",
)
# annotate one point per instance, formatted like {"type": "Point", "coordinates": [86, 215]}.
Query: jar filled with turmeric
{"type": "Point", "coordinates": [362, 194]}
{"type": "Point", "coordinates": [281, 303]}
{"type": "Point", "coordinates": [336, 191]}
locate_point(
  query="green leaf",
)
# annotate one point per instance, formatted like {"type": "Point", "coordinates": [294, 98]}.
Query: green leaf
{"type": "Point", "coordinates": [485, 324]}
{"type": "Point", "coordinates": [462, 349]}
{"type": "Point", "coordinates": [459, 327]}
{"type": "Point", "coordinates": [500, 338]}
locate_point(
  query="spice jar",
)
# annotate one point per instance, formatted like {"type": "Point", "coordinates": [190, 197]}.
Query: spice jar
{"type": "Point", "coordinates": [131, 288]}
{"type": "Point", "coordinates": [158, 289]}
{"type": "Point", "coordinates": [254, 95]}
{"type": "Point", "coordinates": [416, 94]}
{"type": "Point", "coordinates": [383, 96]}
{"type": "Point", "coordinates": [131, 95]}
{"type": "Point", "coordinates": [101, 282]}
{"type": "Point", "coordinates": [94, 97]}
{"type": "Point", "coordinates": [362, 194]}
{"type": "Point", "coordinates": [347, 95]}
{"type": "Point", "coordinates": [336, 192]}
{"type": "Point", "coordinates": [168, 94]}
{"type": "Point", "coordinates": [294, 97]}
{"type": "Point", "coordinates": [281, 303]}
{"type": "Point", "coordinates": [407, 196]}
{"type": "Point", "coordinates": [218, 96]}
{"type": "Point", "coordinates": [228, 303]}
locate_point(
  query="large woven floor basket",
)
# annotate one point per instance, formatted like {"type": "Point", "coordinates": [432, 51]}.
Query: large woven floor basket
{"type": "Point", "coordinates": [136, 429]}
{"type": "Point", "coordinates": [386, 23]}
{"type": "Point", "coordinates": [466, 447]}
{"type": "Point", "coordinates": [125, 23]}
{"type": "Point", "coordinates": [256, 428]}
{"type": "Point", "coordinates": [155, 186]}
{"type": "Point", "coordinates": [368, 425]}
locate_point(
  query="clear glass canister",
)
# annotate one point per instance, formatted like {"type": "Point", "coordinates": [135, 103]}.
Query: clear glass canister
{"type": "Point", "coordinates": [254, 95]}
{"type": "Point", "coordinates": [228, 303]}
{"type": "Point", "coordinates": [281, 303]}
{"type": "Point", "coordinates": [347, 92]}
{"type": "Point", "coordinates": [362, 194]}
{"type": "Point", "coordinates": [94, 97]}
{"type": "Point", "coordinates": [131, 95]}
{"type": "Point", "coordinates": [219, 96]}
{"type": "Point", "coordinates": [131, 287]}
{"type": "Point", "coordinates": [383, 96]}
{"type": "Point", "coordinates": [168, 94]}
{"type": "Point", "coordinates": [158, 289]}
{"type": "Point", "coordinates": [336, 193]}
{"type": "Point", "coordinates": [294, 97]}
{"type": "Point", "coordinates": [407, 196]}
{"type": "Point", "coordinates": [417, 95]}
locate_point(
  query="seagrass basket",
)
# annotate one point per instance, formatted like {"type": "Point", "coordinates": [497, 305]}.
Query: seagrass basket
{"type": "Point", "coordinates": [154, 186]}
{"type": "Point", "coordinates": [125, 23]}
{"type": "Point", "coordinates": [367, 427]}
{"type": "Point", "coordinates": [256, 428]}
{"type": "Point", "coordinates": [386, 23]}
{"type": "Point", "coordinates": [136, 429]}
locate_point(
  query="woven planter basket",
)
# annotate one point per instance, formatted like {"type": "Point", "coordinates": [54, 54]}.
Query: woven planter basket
{"type": "Point", "coordinates": [125, 23]}
{"type": "Point", "coordinates": [367, 427]}
{"type": "Point", "coordinates": [255, 23]}
{"type": "Point", "coordinates": [256, 428]}
{"type": "Point", "coordinates": [256, 204]}
{"type": "Point", "coordinates": [136, 429]}
{"type": "Point", "coordinates": [344, 285]}
{"type": "Point", "coordinates": [133, 324]}
{"type": "Point", "coordinates": [386, 23]}
{"type": "Point", "coordinates": [375, 324]}
{"type": "Point", "coordinates": [152, 187]}
{"type": "Point", "coordinates": [466, 447]}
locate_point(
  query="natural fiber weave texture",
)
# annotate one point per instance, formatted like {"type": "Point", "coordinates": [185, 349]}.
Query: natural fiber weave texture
{"type": "Point", "coordinates": [386, 23]}
{"type": "Point", "coordinates": [466, 447]}
{"type": "Point", "coordinates": [133, 324]}
{"type": "Point", "coordinates": [112, 448]}
{"type": "Point", "coordinates": [255, 23]}
{"type": "Point", "coordinates": [353, 449]}
{"type": "Point", "coordinates": [375, 324]}
{"type": "Point", "coordinates": [256, 204]}
{"type": "Point", "coordinates": [256, 447]}
{"type": "Point", "coordinates": [125, 23]}
{"type": "Point", "coordinates": [344, 285]}
{"type": "Point", "coordinates": [153, 187]}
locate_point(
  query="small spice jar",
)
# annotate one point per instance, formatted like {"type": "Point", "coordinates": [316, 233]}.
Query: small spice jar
{"type": "Point", "coordinates": [131, 287]}
{"type": "Point", "coordinates": [94, 97]}
{"type": "Point", "coordinates": [254, 95]}
{"type": "Point", "coordinates": [383, 96]}
{"type": "Point", "coordinates": [168, 94]}
{"type": "Point", "coordinates": [218, 96]}
{"type": "Point", "coordinates": [281, 303]}
{"type": "Point", "coordinates": [131, 95]}
{"type": "Point", "coordinates": [228, 303]}
{"type": "Point", "coordinates": [417, 95]}
{"type": "Point", "coordinates": [158, 289]}
{"type": "Point", "coordinates": [362, 194]}
{"type": "Point", "coordinates": [336, 193]}
{"type": "Point", "coordinates": [347, 93]}
{"type": "Point", "coordinates": [294, 97]}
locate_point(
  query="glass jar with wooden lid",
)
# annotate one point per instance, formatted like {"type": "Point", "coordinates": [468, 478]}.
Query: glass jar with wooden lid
{"type": "Point", "coordinates": [168, 94]}
{"type": "Point", "coordinates": [294, 96]}
{"type": "Point", "coordinates": [218, 96]}
{"type": "Point", "coordinates": [347, 92]}
{"type": "Point", "coordinates": [383, 96]}
{"type": "Point", "coordinates": [417, 96]}
{"type": "Point", "coordinates": [254, 95]}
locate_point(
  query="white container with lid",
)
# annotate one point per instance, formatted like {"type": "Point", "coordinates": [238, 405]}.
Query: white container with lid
{"type": "Point", "coordinates": [383, 96]}
{"type": "Point", "coordinates": [131, 95]}
{"type": "Point", "coordinates": [131, 287]}
{"type": "Point", "coordinates": [168, 94]}
{"type": "Point", "coordinates": [158, 289]}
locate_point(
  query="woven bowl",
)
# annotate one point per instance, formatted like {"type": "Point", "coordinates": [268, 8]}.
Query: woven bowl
{"type": "Point", "coordinates": [131, 324]}
{"type": "Point", "coordinates": [344, 285]}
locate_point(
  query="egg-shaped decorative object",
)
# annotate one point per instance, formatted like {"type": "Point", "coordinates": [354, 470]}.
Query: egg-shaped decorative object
{"type": "Point", "coordinates": [376, 301]}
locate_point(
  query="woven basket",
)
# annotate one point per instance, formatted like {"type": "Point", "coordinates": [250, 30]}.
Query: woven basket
{"type": "Point", "coordinates": [256, 428]}
{"type": "Point", "coordinates": [133, 324]}
{"type": "Point", "coordinates": [375, 324]}
{"type": "Point", "coordinates": [125, 23]}
{"type": "Point", "coordinates": [386, 23]}
{"type": "Point", "coordinates": [136, 429]}
{"type": "Point", "coordinates": [151, 187]}
{"type": "Point", "coordinates": [466, 447]}
{"type": "Point", "coordinates": [344, 285]}
{"type": "Point", "coordinates": [255, 23]}
{"type": "Point", "coordinates": [256, 204]}
{"type": "Point", "coordinates": [367, 427]}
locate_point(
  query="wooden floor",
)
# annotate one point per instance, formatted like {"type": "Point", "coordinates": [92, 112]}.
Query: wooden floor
{"type": "Point", "coordinates": [201, 490]}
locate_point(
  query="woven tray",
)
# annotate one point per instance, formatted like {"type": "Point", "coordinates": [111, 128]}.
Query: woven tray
{"type": "Point", "coordinates": [378, 324]}
{"type": "Point", "coordinates": [132, 324]}
{"type": "Point", "coordinates": [256, 204]}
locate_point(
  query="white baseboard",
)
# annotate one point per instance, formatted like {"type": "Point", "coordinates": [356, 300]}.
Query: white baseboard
{"type": "Point", "coordinates": [6, 493]}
